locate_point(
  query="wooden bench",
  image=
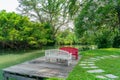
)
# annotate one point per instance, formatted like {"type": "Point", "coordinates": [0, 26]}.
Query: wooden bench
{"type": "Point", "coordinates": [71, 50]}
{"type": "Point", "coordinates": [58, 55]}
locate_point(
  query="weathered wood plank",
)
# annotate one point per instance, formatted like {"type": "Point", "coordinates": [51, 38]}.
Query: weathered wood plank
{"type": "Point", "coordinates": [38, 68]}
{"type": "Point", "coordinates": [15, 76]}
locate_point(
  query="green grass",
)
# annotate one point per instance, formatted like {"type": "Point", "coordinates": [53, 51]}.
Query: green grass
{"type": "Point", "coordinates": [12, 58]}
{"type": "Point", "coordinates": [109, 65]}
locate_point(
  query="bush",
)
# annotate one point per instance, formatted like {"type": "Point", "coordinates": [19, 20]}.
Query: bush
{"type": "Point", "coordinates": [103, 41]}
{"type": "Point", "coordinates": [18, 32]}
{"type": "Point", "coordinates": [116, 42]}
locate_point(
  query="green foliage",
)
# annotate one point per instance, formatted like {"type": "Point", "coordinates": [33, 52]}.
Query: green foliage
{"type": "Point", "coordinates": [56, 12]}
{"type": "Point", "coordinates": [104, 38]}
{"type": "Point", "coordinates": [116, 42]}
{"type": "Point", "coordinates": [73, 7]}
{"type": "Point", "coordinates": [18, 32]}
{"type": "Point", "coordinates": [102, 42]}
{"type": "Point", "coordinates": [95, 15]}
{"type": "Point", "coordinates": [66, 37]}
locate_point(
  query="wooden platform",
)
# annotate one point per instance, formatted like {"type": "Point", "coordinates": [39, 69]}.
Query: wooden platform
{"type": "Point", "coordinates": [37, 70]}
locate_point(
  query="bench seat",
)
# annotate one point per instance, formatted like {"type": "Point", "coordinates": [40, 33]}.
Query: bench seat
{"type": "Point", "coordinates": [57, 55]}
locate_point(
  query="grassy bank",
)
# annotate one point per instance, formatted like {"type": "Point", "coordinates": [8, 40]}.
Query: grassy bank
{"type": "Point", "coordinates": [13, 58]}
{"type": "Point", "coordinates": [109, 65]}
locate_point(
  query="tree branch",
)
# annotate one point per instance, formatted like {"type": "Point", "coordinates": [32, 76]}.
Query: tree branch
{"type": "Point", "coordinates": [56, 30]}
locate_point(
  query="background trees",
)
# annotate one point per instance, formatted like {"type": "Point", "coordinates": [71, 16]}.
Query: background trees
{"type": "Point", "coordinates": [100, 19]}
{"type": "Point", "coordinates": [66, 37]}
{"type": "Point", "coordinates": [55, 12]}
{"type": "Point", "coordinates": [18, 32]}
{"type": "Point", "coordinates": [96, 22]}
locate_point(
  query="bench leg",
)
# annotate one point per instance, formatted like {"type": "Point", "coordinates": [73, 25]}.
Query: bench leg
{"type": "Point", "coordinates": [5, 77]}
{"type": "Point", "coordinates": [69, 62]}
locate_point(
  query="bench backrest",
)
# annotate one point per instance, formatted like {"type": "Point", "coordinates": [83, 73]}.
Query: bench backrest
{"type": "Point", "coordinates": [72, 50]}
{"type": "Point", "coordinates": [58, 53]}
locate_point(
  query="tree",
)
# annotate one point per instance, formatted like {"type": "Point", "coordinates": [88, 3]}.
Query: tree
{"type": "Point", "coordinates": [10, 28]}
{"type": "Point", "coordinates": [55, 12]}
{"type": "Point", "coordinates": [95, 15]}
{"type": "Point", "coordinates": [66, 37]}
{"type": "Point", "coordinates": [18, 32]}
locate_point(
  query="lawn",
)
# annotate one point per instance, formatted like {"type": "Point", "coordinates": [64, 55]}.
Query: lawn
{"type": "Point", "coordinates": [110, 65]}
{"type": "Point", "coordinates": [9, 58]}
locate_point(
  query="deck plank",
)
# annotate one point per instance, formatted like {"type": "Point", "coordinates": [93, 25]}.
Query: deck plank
{"type": "Point", "coordinates": [39, 68]}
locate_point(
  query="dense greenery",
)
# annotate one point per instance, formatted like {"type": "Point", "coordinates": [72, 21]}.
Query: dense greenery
{"type": "Point", "coordinates": [18, 32]}
{"type": "Point", "coordinates": [66, 37]}
{"type": "Point", "coordinates": [98, 22]}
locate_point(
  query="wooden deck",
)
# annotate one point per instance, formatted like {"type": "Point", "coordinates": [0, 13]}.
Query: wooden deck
{"type": "Point", "coordinates": [37, 70]}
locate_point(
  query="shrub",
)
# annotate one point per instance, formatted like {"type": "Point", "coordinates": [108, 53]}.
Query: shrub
{"type": "Point", "coordinates": [103, 41]}
{"type": "Point", "coordinates": [116, 42]}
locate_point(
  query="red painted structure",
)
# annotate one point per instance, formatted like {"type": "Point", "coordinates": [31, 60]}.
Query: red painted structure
{"type": "Point", "coordinates": [72, 50]}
